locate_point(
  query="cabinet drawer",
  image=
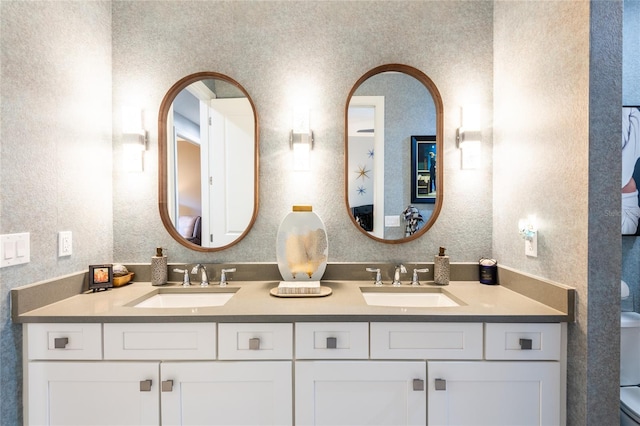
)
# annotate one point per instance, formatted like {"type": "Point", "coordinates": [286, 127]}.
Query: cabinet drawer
{"type": "Point", "coordinates": [402, 340]}
{"type": "Point", "coordinates": [255, 341]}
{"type": "Point", "coordinates": [64, 341]}
{"type": "Point", "coordinates": [332, 340]}
{"type": "Point", "coordinates": [522, 341]}
{"type": "Point", "coordinates": [160, 341]}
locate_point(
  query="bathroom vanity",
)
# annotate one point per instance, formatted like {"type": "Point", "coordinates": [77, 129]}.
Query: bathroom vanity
{"type": "Point", "coordinates": [497, 358]}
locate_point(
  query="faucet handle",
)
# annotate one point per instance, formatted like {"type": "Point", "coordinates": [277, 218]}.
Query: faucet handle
{"type": "Point", "coordinates": [414, 280]}
{"type": "Point", "coordinates": [223, 276]}
{"type": "Point", "coordinates": [378, 281]}
{"type": "Point", "coordinates": [186, 281]}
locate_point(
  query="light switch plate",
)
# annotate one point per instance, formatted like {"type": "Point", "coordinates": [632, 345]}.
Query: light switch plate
{"type": "Point", "coordinates": [65, 243]}
{"type": "Point", "coordinates": [392, 221]}
{"type": "Point", "coordinates": [15, 249]}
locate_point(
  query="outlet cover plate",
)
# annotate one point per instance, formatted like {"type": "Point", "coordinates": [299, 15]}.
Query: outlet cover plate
{"type": "Point", "coordinates": [65, 243]}
{"type": "Point", "coordinates": [531, 246]}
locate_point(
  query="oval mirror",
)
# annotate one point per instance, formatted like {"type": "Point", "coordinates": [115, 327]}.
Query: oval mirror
{"type": "Point", "coordinates": [208, 162]}
{"type": "Point", "coordinates": [393, 153]}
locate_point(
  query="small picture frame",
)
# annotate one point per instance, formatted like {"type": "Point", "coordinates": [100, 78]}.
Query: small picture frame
{"type": "Point", "coordinates": [100, 277]}
{"type": "Point", "coordinates": [423, 169]}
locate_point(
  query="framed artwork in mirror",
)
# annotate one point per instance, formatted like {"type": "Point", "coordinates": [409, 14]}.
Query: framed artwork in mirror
{"type": "Point", "coordinates": [423, 169]}
{"type": "Point", "coordinates": [630, 209]}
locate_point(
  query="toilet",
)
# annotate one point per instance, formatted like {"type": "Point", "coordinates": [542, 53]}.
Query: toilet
{"type": "Point", "coordinates": [629, 368]}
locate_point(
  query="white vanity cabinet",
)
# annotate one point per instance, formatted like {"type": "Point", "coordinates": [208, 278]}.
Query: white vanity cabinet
{"type": "Point", "coordinates": [92, 393]}
{"type": "Point", "coordinates": [152, 374]}
{"type": "Point", "coordinates": [250, 384]}
{"type": "Point", "coordinates": [223, 393]}
{"type": "Point", "coordinates": [360, 393]}
{"type": "Point", "coordinates": [306, 373]}
{"type": "Point", "coordinates": [519, 382]}
{"type": "Point", "coordinates": [336, 383]}
{"type": "Point", "coordinates": [67, 383]}
{"type": "Point", "coordinates": [493, 393]}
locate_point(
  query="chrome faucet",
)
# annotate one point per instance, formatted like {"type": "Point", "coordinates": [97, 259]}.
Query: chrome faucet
{"type": "Point", "coordinates": [414, 280]}
{"type": "Point", "coordinates": [204, 282]}
{"type": "Point", "coordinates": [223, 276]}
{"type": "Point", "coordinates": [400, 269]}
{"type": "Point", "coordinates": [186, 282]}
{"type": "Point", "coordinates": [378, 281]}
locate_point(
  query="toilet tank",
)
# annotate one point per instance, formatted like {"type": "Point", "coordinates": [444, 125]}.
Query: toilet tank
{"type": "Point", "coordinates": [629, 348]}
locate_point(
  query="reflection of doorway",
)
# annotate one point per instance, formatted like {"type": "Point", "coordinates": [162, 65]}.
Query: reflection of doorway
{"type": "Point", "coordinates": [229, 165]}
{"type": "Point", "coordinates": [212, 147]}
{"type": "Point", "coordinates": [188, 178]}
{"type": "Point", "coordinates": [365, 140]}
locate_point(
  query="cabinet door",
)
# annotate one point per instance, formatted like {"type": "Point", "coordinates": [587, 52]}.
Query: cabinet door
{"type": "Point", "coordinates": [226, 393]}
{"type": "Point", "coordinates": [93, 393]}
{"type": "Point", "coordinates": [493, 393]}
{"type": "Point", "coordinates": [360, 393]}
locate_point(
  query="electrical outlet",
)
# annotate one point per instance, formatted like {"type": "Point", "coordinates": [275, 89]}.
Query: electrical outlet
{"type": "Point", "coordinates": [531, 246]}
{"type": "Point", "coordinates": [65, 243]}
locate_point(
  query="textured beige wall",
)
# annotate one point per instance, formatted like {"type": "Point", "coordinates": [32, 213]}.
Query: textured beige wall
{"type": "Point", "coordinates": [57, 67]}
{"type": "Point", "coordinates": [56, 151]}
{"type": "Point", "coordinates": [278, 50]}
{"type": "Point", "coordinates": [556, 149]}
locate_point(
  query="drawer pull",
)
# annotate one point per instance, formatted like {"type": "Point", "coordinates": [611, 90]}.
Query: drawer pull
{"type": "Point", "coordinates": [332, 342]}
{"type": "Point", "coordinates": [60, 342]}
{"type": "Point", "coordinates": [167, 386]}
{"type": "Point", "coordinates": [254, 344]}
{"type": "Point", "coordinates": [418, 384]}
{"type": "Point", "coordinates": [526, 344]}
{"type": "Point", "coordinates": [145, 385]}
{"type": "Point", "coordinates": [441, 384]}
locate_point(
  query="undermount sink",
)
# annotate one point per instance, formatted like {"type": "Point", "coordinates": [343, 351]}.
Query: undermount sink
{"type": "Point", "coordinates": [408, 297]}
{"type": "Point", "coordinates": [186, 298]}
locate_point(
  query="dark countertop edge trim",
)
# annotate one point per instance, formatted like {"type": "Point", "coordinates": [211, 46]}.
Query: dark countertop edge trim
{"type": "Point", "coordinates": [288, 318]}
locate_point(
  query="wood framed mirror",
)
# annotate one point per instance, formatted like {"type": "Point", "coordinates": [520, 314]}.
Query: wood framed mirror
{"type": "Point", "coordinates": [388, 109]}
{"type": "Point", "coordinates": [208, 162]}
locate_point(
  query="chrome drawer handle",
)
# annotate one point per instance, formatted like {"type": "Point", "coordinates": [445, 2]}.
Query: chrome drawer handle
{"type": "Point", "coordinates": [145, 385]}
{"type": "Point", "coordinates": [60, 342]}
{"type": "Point", "coordinates": [332, 342]}
{"type": "Point", "coordinates": [418, 384]}
{"type": "Point", "coordinates": [254, 344]}
{"type": "Point", "coordinates": [526, 344]}
{"type": "Point", "coordinates": [166, 386]}
{"type": "Point", "coordinates": [441, 385]}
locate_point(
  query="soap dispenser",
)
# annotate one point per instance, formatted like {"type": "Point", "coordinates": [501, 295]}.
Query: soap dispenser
{"type": "Point", "coordinates": [159, 268]}
{"type": "Point", "coordinates": [441, 268]}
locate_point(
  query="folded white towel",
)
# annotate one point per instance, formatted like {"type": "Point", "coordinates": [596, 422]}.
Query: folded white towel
{"type": "Point", "coordinates": [299, 287]}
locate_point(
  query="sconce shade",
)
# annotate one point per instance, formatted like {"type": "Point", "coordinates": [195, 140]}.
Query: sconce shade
{"type": "Point", "coordinates": [133, 132]}
{"type": "Point", "coordinates": [469, 137]}
{"type": "Point", "coordinates": [301, 144]}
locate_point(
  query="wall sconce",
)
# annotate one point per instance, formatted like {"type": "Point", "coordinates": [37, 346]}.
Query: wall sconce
{"type": "Point", "coordinates": [469, 137]}
{"type": "Point", "coordinates": [134, 139]}
{"type": "Point", "coordinates": [301, 140]}
{"type": "Point", "coordinates": [528, 230]}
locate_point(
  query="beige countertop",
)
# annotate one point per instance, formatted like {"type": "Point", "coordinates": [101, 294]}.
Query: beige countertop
{"type": "Point", "coordinates": [254, 303]}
